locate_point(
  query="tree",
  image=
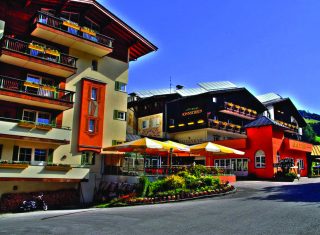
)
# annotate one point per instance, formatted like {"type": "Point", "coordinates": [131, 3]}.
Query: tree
{"type": "Point", "coordinates": [308, 134]}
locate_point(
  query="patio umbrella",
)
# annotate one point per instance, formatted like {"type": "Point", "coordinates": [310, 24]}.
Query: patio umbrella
{"type": "Point", "coordinates": [178, 147]}
{"type": "Point", "coordinates": [214, 149]}
{"type": "Point", "coordinates": [144, 145]}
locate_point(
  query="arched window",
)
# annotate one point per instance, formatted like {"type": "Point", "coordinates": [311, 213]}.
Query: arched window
{"type": "Point", "coordinates": [260, 159]}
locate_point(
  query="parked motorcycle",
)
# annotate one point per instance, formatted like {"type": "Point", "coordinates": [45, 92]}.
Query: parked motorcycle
{"type": "Point", "coordinates": [37, 204]}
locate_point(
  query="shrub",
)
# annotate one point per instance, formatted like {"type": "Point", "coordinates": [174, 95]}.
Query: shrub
{"type": "Point", "coordinates": [173, 182]}
{"type": "Point", "coordinates": [198, 170]}
{"type": "Point", "coordinates": [210, 181]}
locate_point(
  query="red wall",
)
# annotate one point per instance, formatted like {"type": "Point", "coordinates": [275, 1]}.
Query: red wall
{"type": "Point", "coordinates": [268, 139]}
{"type": "Point", "coordinates": [88, 141]}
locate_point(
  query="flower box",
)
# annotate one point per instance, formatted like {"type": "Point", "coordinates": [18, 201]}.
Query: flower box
{"type": "Point", "coordinates": [58, 168]}
{"type": "Point", "coordinates": [52, 52]}
{"type": "Point", "coordinates": [26, 124]}
{"type": "Point", "coordinates": [13, 165]}
{"type": "Point", "coordinates": [88, 31]}
{"type": "Point", "coordinates": [71, 24]}
{"type": "Point", "coordinates": [36, 47]}
{"type": "Point", "coordinates": [45, 127]}
{"type": "Point", "coordinates": [31, 84]}
{"type": "Point", "coordinates": [49, 88]}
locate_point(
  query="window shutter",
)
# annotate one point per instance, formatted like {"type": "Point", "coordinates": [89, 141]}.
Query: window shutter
{"type": "Point", "coordinates": [15, 154]}
{"type": "Point", "coordinates": [125, 116]}
{"type": "Point", "coordinates": [50, 155]}
{"type": "Point", "coordinates": [115, 114]}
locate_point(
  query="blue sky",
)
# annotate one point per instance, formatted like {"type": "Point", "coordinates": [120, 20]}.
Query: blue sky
{"type": "Point", "coordinates": [266, 45]}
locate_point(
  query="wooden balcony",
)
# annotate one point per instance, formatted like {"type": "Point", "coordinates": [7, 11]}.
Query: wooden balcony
{"type": "Point", "coordinates": [226, 129]}
{"type": "Point", "coordinates": [291, 128]}
{"type": "Point", "coordinates": [29, 56]}
{"type": "Point", "coordinates": [71, 34]}
{"type": "Point", "coordinates": [239, 111]}
{"type": "Point", "coordinates": [20, 91]}
{"type": "Point", "coordinates": [14, 129]}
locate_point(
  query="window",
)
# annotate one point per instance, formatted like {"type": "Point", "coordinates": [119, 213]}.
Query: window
{"type": "Point", "coordinates": [214, 99]}
{"type": "Point", "coordinates": [91, 24]}
{"type": "Point", "coordinates": [300, 163]}
{"type": "Point", "coordinates": [119, 115]}
{"type": "Point", "coordinates": [40, 155]}
{"type": "Point", "coordinates": [171, 122]}
{"type": "Point", "coordinates": [88, 158]}
{"type": "Point", "coordinates": [29, 115]}
{"type": "Point", "coordinates": [120, 86]}
{"type": "Point", "coordinates": [72, 16]}
{"type": "Point", "coordinates": [155, 122]}
{"type": "Point", "coordinates": [94, 65]}
{"type": "Point", "coordinates": [94, 92]}
{"type": "Point", "coordinates": [36, 116]}
{"type": "Point", "coordinates": [145, 124]}
{"type": "Point", "coordinates": [34, 79]}
{"type": "Point", "coordinates": [260, 159]}
{"type": "Point", "coordinates": [43, 118]}
{"type": "Point", "coordinates": [25, 154]}
{"type": "Point", "coordinates": [92, 125]}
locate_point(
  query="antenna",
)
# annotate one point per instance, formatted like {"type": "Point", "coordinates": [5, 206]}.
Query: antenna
{"type": "Point", "coordinates": [170, 84]}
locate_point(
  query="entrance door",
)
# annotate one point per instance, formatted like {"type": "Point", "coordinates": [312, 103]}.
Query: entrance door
{"type": "Point", "coordinates": [241, 167]}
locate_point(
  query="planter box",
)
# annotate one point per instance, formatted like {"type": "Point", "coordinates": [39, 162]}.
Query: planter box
{"type": "Point", "coordinates": [52, 52]}
{"type": "Point", "coordinates": [31, 84]}
{"type": "Point", "coordinates": [71, 25]}
{"type": "Point", "coordinates": [44, 127]}
{"type": "Point", "coordinates": [13, 166]}
{"type": "Point", "coordinates": [26, 125]}
{"type": "Point", "coordinates": [88, 31]}
{"type": "Point", "coordinates": [57, 168]}
{"type": "Point", "coordinates": [36, 47]}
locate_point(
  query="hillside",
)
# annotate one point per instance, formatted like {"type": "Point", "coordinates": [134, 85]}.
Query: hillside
{"type": "Point", "coordinates": [313, 120]}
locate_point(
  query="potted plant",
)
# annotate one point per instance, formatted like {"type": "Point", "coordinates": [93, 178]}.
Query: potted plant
{"type": "Point", "coordinates": [36, 47]}
{"type": "Point", "coordinates": [56, 167]}
{"type": "Point", "coordinates": [31, 84]}
{"type": "Point", "coordinates": [26, 124]}
{"type": "Point", "coordinates": [52, 52]}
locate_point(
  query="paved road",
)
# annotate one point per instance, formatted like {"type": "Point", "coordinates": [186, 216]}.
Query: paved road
{"type": "Point", "coordinates": [257, 208]}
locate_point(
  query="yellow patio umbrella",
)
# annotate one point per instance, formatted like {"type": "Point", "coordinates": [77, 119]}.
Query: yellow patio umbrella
{"type": "Point", "coordinates": [214, 149]}
{"type": "Point", "coordinates": [177, 146]}
{"type": "Point", "coordinates": [145, 145]}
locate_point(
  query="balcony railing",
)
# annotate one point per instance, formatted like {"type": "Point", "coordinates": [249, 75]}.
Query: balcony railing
{"type": "Point", "coordinates": [34, 89]}
{"type": "Point", "coordinates": [292, 127]}
{"type": "Point", "coordinates": [226, 126]}
{"type": "Point", "coordinates": [240, 110]}
{"type": "Point", "coordinates": [37, 51]}
{"type": "Point", "coordinates": [73, 28]}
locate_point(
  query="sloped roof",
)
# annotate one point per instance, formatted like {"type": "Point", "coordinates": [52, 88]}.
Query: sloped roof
{"type": "Point", "coordinates": [213, 86]}
{"type": "Point", "coordinates": [204, 87]}
{"type": "Point", "coordinates": [266, 98]}
{"type": "Point", "coordinates": [316, 150]}
{"type": "Point", "coordinates": [263, 121]}
{"type": "Point", "coordinates": [191, 91]}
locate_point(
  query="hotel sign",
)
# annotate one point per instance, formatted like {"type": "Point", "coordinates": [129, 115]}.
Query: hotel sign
{"type": "Point", "coordinates": [192, 111]}
{"type": "Point", "coordinates": [298, 145]}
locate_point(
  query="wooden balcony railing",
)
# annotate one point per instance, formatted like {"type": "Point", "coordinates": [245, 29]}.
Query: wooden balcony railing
{"type": "Point", "coordinates": [35, 89]}
{"type": "Point", "coordinates": [73, 28]}
{"type": "Point", "coordinates": [292, 127]}
{"type": "Point", "coordinates": [222, 125]}
{"type": "Point", "coordinates": [240, 109]}
{"type": "Point", "coordinates": [38, 51]}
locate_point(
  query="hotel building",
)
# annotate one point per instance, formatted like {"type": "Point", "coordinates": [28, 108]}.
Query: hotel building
{"type": "Point", "coordinates": [267, 128]}
{"type": "Point", "coordinates": [63, 76]}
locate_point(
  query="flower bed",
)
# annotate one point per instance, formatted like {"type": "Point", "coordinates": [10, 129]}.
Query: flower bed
{"type": "Point", "coordinates": [191, 183]}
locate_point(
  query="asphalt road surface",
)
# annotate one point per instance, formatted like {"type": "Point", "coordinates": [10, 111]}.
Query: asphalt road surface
{"type": "Point", "coordinates": [257, 208]}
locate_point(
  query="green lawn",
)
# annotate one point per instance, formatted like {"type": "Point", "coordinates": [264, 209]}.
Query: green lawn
{"type": "Point", "coordinates": [311, 121]}
{"type": "Point", "coordinates": [318, 139]}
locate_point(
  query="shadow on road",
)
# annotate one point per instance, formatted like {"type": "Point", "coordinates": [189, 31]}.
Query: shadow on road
{"type": "Point", "coordinates": [307, 193]}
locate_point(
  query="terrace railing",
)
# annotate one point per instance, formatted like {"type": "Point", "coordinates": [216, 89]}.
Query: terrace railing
{"type": "Point", "coordinates": [73, 28]}
{"type": "Point", "coordinates": [35, 89]}
{"type": "Point", "coordinates": [37, 51]}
